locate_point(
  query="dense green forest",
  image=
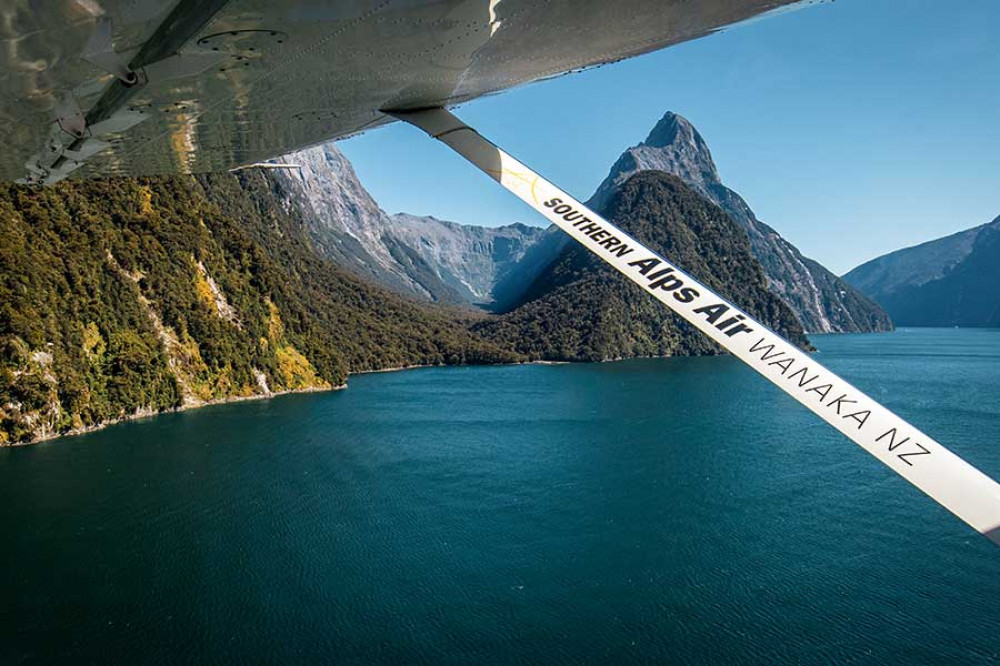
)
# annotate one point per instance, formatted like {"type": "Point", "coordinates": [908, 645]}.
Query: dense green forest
{"type": "Point", "coordinates": [579, 309]}
{"type": "Point", "coordinates": [130, 296]}
{"type": "Point", "coordinates": [126, 297]}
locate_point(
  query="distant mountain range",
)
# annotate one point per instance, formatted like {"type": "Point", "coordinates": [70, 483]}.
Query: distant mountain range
{"type": "Point", "coordinates": [951, 281]}
{"type": "Point", "coordinates": [457, 263]}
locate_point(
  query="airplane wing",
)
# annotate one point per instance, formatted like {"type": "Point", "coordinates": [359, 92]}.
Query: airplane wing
{"type": "Point", "coordinates": [94, 88]}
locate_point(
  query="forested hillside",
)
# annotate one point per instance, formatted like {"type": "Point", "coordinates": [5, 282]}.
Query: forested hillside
{"type": "Point", "coordinates": [579, 309]}
{"type": "Point", "coordinates": [127, 297]}
{"type": "Point", "coordinates": [131, 296]}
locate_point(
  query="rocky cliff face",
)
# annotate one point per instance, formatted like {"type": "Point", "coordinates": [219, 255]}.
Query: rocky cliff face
{"type": "Point", "coordinates": [455, 263]}
{"type": "Point", "coordinates": [823, 302]}
{"type": "Point", "coordinates": [344, 222]}
{"type": "Point", "coordinates": [579, 309]}
{"type": "Point", "coordinates": [951, 281]}
{"type": "Point", "coordinates": [421, 256]}
{"type": "Point", "coordinates": [470, 260]}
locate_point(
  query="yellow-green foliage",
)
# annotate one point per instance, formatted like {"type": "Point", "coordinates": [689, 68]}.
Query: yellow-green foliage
{"type": "Point", "coordinates": [194, 375]}
{"type": "Point", "coordinates": [203, 289]}
{"type": "Point", "coordinates": [145, 200]}
{"type": "Point", "coordinates": [142, 331]}
{"type": "Point", "coordinates": [93, 343]}
{"type": "Point", "coordinates": [275, 329]}
{"type": "Point", "coordinates": [296, 371]}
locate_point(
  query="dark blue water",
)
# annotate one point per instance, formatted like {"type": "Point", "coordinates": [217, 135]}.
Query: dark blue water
{"type": "Point", "coordinates": [659, 510]}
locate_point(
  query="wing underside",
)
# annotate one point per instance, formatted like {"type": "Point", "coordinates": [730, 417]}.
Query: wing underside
{"type": "Point", "coordinates": [93, 88]}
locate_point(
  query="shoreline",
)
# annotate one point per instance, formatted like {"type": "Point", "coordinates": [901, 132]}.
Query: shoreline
{"type": "Point", "coordinates": [231, 399]}
{"type": "Point", "coordinates": [148, 414]}
{"type": "Point", "coordinates": [222, 401]}
{"type": "Point", "coordinates": [138, 416]}
{"type": "Point", "coordinates": [398, 368]}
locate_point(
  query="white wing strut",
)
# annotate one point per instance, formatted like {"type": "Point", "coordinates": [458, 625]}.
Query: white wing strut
{"type": "Point", "coordinates": [956, 485]}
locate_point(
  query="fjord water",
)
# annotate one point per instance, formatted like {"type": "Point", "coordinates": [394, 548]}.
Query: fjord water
{"type": "Point", "coordinates": [677, 510]}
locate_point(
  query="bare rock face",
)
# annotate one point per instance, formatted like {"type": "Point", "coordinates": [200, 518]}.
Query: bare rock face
{"type": "Point", "coordinates": [471, 260]}
{"type": "Point", "coordinates": [674, 146]}
{"type": "Point", "coordinates": [343, 220]}
{"type": "Point", "coordinates": [448, 262]}
{"type": "Point", "coordinates": [823, 302]}
{"type": "Point", "coordinates": [425, 257]}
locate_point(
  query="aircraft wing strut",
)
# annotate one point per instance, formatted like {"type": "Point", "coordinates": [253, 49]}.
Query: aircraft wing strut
{"type": "Point", "coordinates": [946, 478]}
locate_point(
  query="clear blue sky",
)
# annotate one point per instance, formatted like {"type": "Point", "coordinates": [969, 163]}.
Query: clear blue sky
{"type": "Point", "coordinates": [853, 128]}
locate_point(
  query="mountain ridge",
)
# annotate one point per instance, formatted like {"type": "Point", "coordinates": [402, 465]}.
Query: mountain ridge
{"type": "Point", "coordinates": [916, 264]}
{"type": "Point", "coordinates": [822, 301]}
{"type": "Point", "coordinates": [948, 281]}
{"type": "Point", "coordinates": [471, 259]}
{"type": "Point", "coordinates": [493, 268]}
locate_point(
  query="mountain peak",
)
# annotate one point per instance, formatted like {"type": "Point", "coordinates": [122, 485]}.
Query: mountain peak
{"type": "Point", "coordinates": [818, 297]}
{"type": "Point", "coordinates": [674, 146]}
{"type": "Point", "coordinates": [670, 128]}
{"type": "Point", "coordinates": [677, 141]}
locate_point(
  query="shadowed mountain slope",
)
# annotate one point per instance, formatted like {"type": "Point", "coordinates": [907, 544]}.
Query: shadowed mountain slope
{"type": "Point", "coordinates": [580, 309]}
{"type": "Point", "coordinates": [951, 281]}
